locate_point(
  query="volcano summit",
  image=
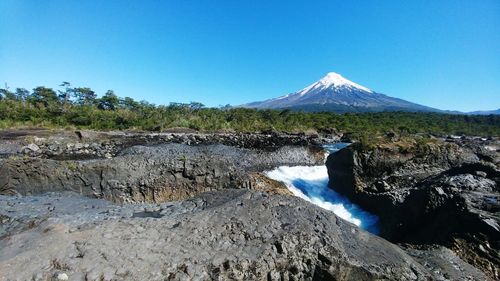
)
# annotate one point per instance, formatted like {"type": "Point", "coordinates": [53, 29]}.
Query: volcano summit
{"type": "Point", "coordinates": [335, 93]}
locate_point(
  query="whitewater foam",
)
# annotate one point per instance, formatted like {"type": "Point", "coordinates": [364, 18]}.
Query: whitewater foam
{"type": "Point", "coordinates": [311, 184]}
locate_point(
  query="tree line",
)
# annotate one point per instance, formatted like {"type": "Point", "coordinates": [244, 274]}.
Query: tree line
{"type": "Point", "coordinates": [81, 107]}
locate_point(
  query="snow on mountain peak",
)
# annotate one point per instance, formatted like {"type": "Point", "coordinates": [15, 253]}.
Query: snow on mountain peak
{"type": "Point", "coordinates": [338, 94]}
{"type": "Point", "coordinates": [335, 80]}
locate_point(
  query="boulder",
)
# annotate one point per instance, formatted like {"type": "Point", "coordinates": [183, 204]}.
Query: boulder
{"type": "Point", "coordinates": [30, 148]}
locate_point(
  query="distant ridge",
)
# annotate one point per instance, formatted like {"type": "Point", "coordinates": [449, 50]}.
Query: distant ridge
{"type": "Point", "coordinates": [335, 93]}
{"type": "Point", "coordinates": [485, 112]}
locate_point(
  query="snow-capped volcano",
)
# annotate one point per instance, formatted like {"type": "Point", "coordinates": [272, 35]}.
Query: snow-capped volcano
{"type": "Point", "coordinates": [333, 92]}
{"type": "Point", "coordinates": [333, 79]}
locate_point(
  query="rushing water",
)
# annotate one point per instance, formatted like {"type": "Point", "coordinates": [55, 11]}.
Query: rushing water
{"type": "Point", "coordinates": [311, 184]}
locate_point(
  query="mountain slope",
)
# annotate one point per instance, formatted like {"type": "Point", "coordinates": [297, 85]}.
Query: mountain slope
{"type": "Point", "coordinates": [336, 93]}
{"type": "Point", "coordinates": [485, 112]}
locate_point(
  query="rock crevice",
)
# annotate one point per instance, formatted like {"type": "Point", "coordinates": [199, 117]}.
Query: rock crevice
{"type": "Point", "coordinates": [445, 194]}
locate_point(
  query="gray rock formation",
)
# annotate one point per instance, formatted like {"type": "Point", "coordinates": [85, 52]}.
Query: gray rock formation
{"type": "Point", "coordinates": [223, 235]}
{"type": "Point", "coordinates": [79, 145]}
{"type": "Point", "coordinates": [158, 173]}
{"type": "Point", "coordinates": [437, 193]}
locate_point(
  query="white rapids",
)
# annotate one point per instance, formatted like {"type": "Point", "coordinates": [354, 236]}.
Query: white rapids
{"type": "Point", "coordinates": [311, 184]}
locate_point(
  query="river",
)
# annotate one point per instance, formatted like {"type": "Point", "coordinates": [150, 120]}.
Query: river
{"type": "Point", "coordinates": [311, 184]}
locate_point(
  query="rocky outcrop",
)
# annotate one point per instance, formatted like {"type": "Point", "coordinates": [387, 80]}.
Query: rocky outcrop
{"type": "Point", "coordinates": [223, 235]}
{"type": "Point", "coordinates": [427, 193]}
{"type": "Point", "coordinates": [158, 173]}
{"type": "Point", "coordinates": [79, 145]}
{"type": "Point", "coordinates": [443, 262]}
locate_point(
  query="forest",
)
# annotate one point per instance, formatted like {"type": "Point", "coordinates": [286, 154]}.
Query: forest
{"type": "Point", "coordinates": [80, 107]}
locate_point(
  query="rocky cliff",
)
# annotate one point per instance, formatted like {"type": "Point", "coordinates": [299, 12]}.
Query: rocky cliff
{"type": "Point", "coordinates": [430, 192]}
{"type": "Point", "coordinates": [217, 232]}
{"type": "Point", "coordinates": [79, 145]}
{"type": "Point", "coordinates": [157, 173]}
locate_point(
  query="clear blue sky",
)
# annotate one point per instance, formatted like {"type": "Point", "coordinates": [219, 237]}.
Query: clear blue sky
{"type": "Point", "coordinates": [444, 54]}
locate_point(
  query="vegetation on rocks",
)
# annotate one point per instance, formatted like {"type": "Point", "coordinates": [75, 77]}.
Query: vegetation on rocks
{"type": "Point", "coordinates": [448, 189]}
{"type": "Point", "coordinates": [80, 107]}
{"type": "Point", "coordinates": [415, 144]}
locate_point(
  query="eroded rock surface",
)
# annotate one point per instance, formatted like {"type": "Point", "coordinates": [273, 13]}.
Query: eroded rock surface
{"type": "Point", "coordinates": [78, 145]}
{"type": "Point", "coordinates": [157, 173]}
{"type": "Point", "coordinates": [225, 234]}
{"type": "Point", "coordinates": [222, 235]}
{"type": "Point", "coordinates": [437, 193]}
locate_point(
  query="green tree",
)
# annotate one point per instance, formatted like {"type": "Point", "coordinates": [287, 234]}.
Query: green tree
{"type": "Point", "coordinates": [196, 105]}
{"type": "Point", "coordinates": [65, 95]}
{"type": "Point", "coordinates": [109, 101]}
{"type": "Point", "coordinates": [129, 103]}
{"type": "Point", "coordinates": [22, 94]}
{"type": "Point", "coordinates": [7, 94]}
{"type": "Point", "coordinates": [84, 96]}
{"type": "Point", "coordinates": [45, 96]}
{"type": "Point", "coordinates": [111, 112]}
{"type": "Point", "coordinates": [178, 106]}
